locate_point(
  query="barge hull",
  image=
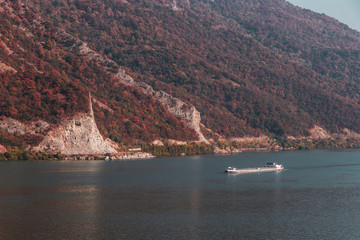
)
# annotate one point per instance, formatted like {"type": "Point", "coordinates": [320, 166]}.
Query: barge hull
{"type": "Point", "coordinates": [253, 170]}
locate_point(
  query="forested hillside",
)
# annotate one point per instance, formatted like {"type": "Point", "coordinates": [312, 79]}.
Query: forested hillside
{"type": "Point", "coordinates": [251, 67]}
{"type": "Point", "coordinates": [42, 78]}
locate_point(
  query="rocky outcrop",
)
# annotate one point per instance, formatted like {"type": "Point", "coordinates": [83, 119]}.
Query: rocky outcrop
{"type": "Point", "coordinates": [74, 136]}
{"type": "Point", "coordinates": [177, 5]}
{"type": "Point", "coordinates": [130, 156]}
{"type": "Point", "coordinates": [318, 132]}
{"type": "Point", "coordinates": [347, 133]}
{"type": "Point", "coordinates": [78, 135]}
{"type": "Point", "coordinates": [5, 68]}
{"type": "Point", "coordinates": [102, 105]}
{"type": "Point", "coordinates": [175, 106]}
{"type": "Point", "coordinates": [157, 143]}
{"type": "Point", "coordinates": [175, 142]}
{"type": "Point", "coordinates": [262, 138]}
{"type": "Point", "coordinates": [5, 48]}
{"type": "Point", "coordinates": [174, 6]}
{"type": "Point", "coordinates": [2, 149]}
{"type": "Point", "coordinates": [17, 128]}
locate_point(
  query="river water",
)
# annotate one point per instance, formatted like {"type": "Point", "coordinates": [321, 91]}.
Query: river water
{"type": "Point", "coordinates": [317, 196]}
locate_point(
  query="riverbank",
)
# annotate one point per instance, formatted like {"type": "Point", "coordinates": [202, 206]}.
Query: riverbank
{"type": "Point", "coordinates": [285, 144]}
{"type": "Point", "coordinates": [220, 147]}
{"type": "Point", "coordinates": [21, 155]}
{"type": "Point", "coordinates": [111, 157]}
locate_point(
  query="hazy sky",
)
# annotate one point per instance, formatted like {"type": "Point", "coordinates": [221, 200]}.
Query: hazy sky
{"type": "Point", "coordinates": [346, 11]}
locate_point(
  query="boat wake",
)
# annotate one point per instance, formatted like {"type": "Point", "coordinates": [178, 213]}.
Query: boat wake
{"type": "Point", "coordinates": [329, 166]}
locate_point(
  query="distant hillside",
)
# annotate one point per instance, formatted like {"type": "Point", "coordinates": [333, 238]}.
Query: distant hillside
{"type": "Point", "coordinates": [250, 67]}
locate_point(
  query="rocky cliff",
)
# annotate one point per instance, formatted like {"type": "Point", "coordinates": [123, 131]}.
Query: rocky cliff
{"type": "Point", "coordinates": [77, 135]}
{"type": "Point", "coordinates": [318, 132]}
{"type": "Point", "coordinates": [175, 106]}
{"type": "Point", "coordinates": [17, 128]}
{"type": "Point", "coordinates": [2, 149]}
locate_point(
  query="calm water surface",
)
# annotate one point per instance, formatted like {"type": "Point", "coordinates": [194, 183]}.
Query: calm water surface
{"type": "Point", "coordinates": [316, 197]}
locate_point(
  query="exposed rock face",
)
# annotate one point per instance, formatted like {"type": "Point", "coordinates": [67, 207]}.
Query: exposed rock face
{"type": "Point", "coordinates": [14, 127]}
{"type": "Point", "coordinates": [349, 134]}
{"type": "Point", "coordinates": [7, 50]}
{"type": "Point", "coordinates": [78, 135]}
{"type": "Point", "coordinates": [157, 143]}
{"type": "Point", "coordinates": [102, 105]}
{"type": "Point", "coordinates": [318, 132]}
{"type": "Point", "coordinates": [175, 106]}
{"type": "Point", "coordinates": [6, 68]}
{"type": "Point", "coordinates": [2, 149]}
{"type": "Point", "coordinates": [177, 5]}
{"type": "Point", "coordinates": [17, 128]}
{"type": "Point", "coordinates": [262, 138]}
{"type": "Point", "coordinates": [174, 142]}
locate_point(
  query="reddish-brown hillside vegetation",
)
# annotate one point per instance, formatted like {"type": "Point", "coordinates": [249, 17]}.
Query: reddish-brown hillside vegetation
{"type": "Point", "coordinates": [251, 67]}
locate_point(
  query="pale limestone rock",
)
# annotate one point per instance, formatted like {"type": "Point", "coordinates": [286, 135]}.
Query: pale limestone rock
{"type": "Point", "coordinates": [175, 106]}
{"type": "Point", "coordinates": [131, 156]}
{"type": "Point", "coordinates": [219, 150]}
{"type": "Point", "coordinates": [39, 127]}
{"type": "Point", "coordinates": [17, 128]}
{"type": "Point", "coordinates": [5, 68]}
{"type": "Point", "coordinates": [112, 144]}
{"type": "Point", "coordinates": [262, 138]}
{"type": "Point", "coordinates": [175, 142]}
{"type": "Point", "coordinates": [102, 105]}
{"type": "Point", "coordinates": [174, 6]}
{"type": "Point", "coordinates": [2, 149]}
{"type": "Point", "coordinates": [318, 132]}
{"type": "Point", "coordinates": [78, 135]}
{"type": "Point", "coordinates": [157, 143]}
{"type": "Point", "coordinates": [347, 133]}
{"type": "Point", "coordinates": [8, 51]}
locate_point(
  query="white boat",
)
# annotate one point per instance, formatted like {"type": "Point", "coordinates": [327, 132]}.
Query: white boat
{"type": "Point", "coordinates": [268, 167]}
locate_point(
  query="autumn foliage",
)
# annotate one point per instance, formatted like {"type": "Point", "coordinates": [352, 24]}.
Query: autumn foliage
{"type": "Point", "coordinates": [250, 67]}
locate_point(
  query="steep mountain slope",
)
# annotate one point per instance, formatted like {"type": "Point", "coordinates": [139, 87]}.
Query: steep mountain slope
{"type": "Point", "coordinates": [316, 41]}
{"type": "Point", "coordinates": [250, 67]}
{"type": "Point", "coordinates": [45, 76]}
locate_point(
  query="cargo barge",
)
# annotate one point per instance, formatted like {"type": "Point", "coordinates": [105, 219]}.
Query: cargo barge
{"type": "Point", "coordinates": [269, 167]}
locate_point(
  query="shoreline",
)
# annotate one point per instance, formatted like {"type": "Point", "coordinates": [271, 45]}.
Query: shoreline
{"type": "Point", "coordinates": [192, 149]}
{"type": "Point", "coordinates": [144, 155]}
{"type": "Point", "coordinates": [109, 157]}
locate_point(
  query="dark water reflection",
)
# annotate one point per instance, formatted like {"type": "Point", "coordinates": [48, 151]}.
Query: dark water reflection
{"type": "Point", "coordinates": [316, 197]}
